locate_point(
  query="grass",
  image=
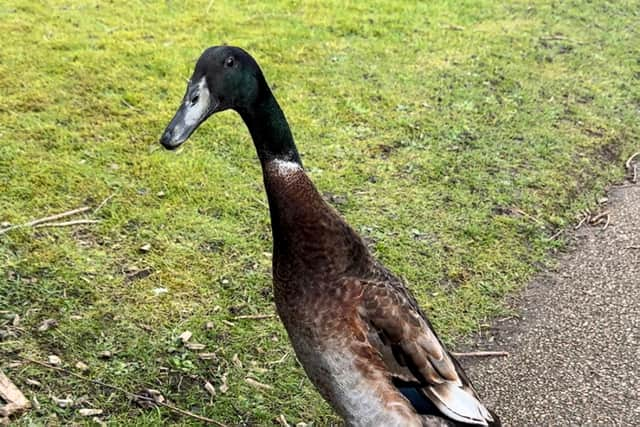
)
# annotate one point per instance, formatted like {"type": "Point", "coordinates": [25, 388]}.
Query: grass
{"type": "Point", "coordinates": [429, 124]}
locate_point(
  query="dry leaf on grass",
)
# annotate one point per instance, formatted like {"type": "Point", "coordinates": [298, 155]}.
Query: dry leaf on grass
{"type": "Point", "coordinates": [16, 402]}
{"type": "Point", "coordinates": [148, 397]}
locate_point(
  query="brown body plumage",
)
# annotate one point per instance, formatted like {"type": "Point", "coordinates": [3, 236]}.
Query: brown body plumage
{"type": "Point", "coordinates": [356, 329]}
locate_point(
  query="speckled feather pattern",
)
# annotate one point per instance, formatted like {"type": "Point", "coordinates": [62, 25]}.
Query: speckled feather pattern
{"type": "Point", "coordinates": [353, 325]}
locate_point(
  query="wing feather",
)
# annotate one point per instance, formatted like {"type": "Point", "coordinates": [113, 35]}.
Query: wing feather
{"type": "Point", "coordinates": [412, 352]}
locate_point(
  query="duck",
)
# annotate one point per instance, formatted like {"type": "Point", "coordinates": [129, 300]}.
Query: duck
{"type": "Point", "coordinates": [357, 330]}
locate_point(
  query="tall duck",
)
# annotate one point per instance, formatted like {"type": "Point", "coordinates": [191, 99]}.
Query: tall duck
{"type": "Point", "coordinates": [356, 329]}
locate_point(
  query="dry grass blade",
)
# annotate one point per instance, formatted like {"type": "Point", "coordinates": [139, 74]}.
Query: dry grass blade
{"type": "Point", "coordinates": [630, 159]}
{"type": "Point", "coordinates": [47, 219]}
{"type": "Point", "coordinates": [582, 221]}
{"type": "Point", "coordinates": [68, 223]}
{"type": "Point", "coordinates": [254, 316]}
{"type": "Point", "coordinates": [104, 202]}
{"type": "Point", "coordinates": [598, 218]}
{"type": "Point", "coordinates": [257, 384]}
{"type": "Point", "coordinates": [556, 234]}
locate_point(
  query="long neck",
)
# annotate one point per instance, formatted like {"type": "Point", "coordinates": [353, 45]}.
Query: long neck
{"type": "Point", "coordinates": [307, 233]}
{"type": "Point", "coordinates": [269, 129]}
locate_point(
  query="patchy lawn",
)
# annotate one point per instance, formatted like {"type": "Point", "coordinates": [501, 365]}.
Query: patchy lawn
{"type": "Point", "coordinates": [458, 137]}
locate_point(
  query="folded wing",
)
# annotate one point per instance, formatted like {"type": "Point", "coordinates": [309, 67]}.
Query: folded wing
{"type": "Point", "coordinates": [418, 363]}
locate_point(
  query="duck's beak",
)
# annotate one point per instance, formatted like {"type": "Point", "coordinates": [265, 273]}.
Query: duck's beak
{"type": "Point", "coordinates": [196, 107]}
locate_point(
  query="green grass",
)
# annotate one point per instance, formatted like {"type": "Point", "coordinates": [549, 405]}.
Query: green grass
{"type": "Point", "coordinates": [433, 122]}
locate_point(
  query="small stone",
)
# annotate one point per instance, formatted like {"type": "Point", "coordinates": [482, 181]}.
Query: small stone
{"type": "Point", "coordinates": [145, 248]}
{"type": "Point", "coordinates": [54, 360]}
{"type": "Point", "coordinates": [160, 194]}
{"type": "Point", "coordinates": [209, 326]}
{"type": "Point", "coordinates": [106, 354]}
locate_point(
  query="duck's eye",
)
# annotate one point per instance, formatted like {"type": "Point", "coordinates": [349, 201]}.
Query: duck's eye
{"type": "Point", "coordinates": [229, 62]}
{"type": "Point", "coordinates": [195, 99]}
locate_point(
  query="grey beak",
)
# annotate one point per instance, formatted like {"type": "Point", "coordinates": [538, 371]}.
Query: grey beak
{"type": "Point", "coordinates": [177, 132]}
{"type": "Point", "coordinates": [196, 107]}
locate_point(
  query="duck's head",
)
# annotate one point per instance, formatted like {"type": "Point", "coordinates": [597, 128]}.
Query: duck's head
{"type": "Point", "coordinates": [225, 77]}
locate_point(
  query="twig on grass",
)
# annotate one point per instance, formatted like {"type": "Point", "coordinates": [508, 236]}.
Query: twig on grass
{"type": "Point", "coordinates": [554, 37]}
{"type": "Point", "coordinates": [526, 215]}
{"type": "Point", "coordinates": [481, 354]}
{"type": "Point", "coordinates": [104, 202]}
{"type": "Point", "coordinates": [254, 316]}
{"type": "Point", "coordinates": [209, 6]}
{"type": "Point", "coordinates": [556, 234]}
{"type": "Point", "coordinates": [582, 221]}
{"type": "Point", "coordinates": [128, 393]}
{"type": "Point", "coordinates": [634, 170]}
{"type": "Point", "coordinates": [67, 223]}
{"type": "Point", "coordinates": [47, 219]}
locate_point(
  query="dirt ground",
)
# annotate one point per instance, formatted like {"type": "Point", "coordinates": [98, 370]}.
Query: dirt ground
{"type": "Point", "coordinates": [575, 348]}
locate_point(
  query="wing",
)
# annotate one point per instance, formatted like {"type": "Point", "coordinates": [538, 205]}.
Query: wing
{"type": "Point", "coordinates": [419, 365]}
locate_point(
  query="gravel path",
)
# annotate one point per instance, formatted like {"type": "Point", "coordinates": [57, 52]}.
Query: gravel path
{"type": "Point", "coordinates": [575, 351]}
